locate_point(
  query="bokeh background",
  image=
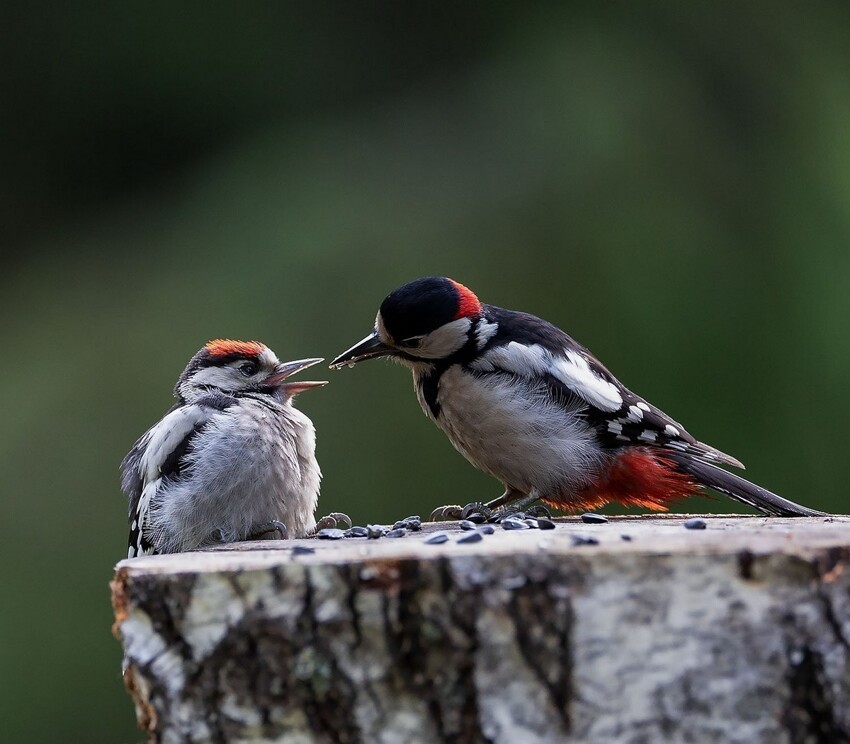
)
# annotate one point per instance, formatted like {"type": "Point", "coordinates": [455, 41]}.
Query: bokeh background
{"type": "Point", "coordinates": [668, 181]}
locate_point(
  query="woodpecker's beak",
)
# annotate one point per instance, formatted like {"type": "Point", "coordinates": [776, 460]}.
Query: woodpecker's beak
{"type": "Point", "coordinates": [370, 347]}
{"type": "Point", "coordinates": [286, 370]}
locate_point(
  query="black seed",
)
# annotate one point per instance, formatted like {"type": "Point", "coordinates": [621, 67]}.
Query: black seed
{"type": "Point", "coordinates": [531, 522]}
{"type": "Point", "coordinates": [356, 531]}
{"type": "Point", "coordinates": [627, 538]}
{"type": "Point", "coordinates": [582, 540]}
{"type": "Point", "coordinates": [695, 524]}
{"type": "Point", "coordinates": [437, 539]}
{"type": "Point", "coordinates": [511, 523]}
{"type": "Point", "coordinates": [472, 537]}
{"type": "Point", "coordinates": [486, 529]}
{"type": "Point", "coordinates": [374, 531]}
{"type": "Point", "coordinates": [302, 550]}
{"type": "Point", "coordinates": [398, 532]}
{"type": "Point", "coordinates": [591, 518]}
{"type": "Point", "coordinates": [330, 533]}
{"type": "Point", "coordinates": [477, 517]}
{"type": "Point", "coordinates": [545, 524]}
{"type": "Point", "coordinates": [465, 524]}
{"type": "Point", "coordinates": [400, 524]}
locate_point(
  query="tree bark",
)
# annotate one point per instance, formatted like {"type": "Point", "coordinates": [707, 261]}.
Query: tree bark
{"type": "Point", "coordinates": [736, 633]}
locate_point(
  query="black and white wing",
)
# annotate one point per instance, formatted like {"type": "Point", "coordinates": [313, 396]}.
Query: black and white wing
{"type": "Point", "coordinates": [570, 370]}
{"type": "Point", "coordinates": [157, 458]}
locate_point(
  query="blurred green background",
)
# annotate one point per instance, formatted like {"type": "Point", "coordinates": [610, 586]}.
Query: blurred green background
{"type": "Point", "coordinates": [670, 183]}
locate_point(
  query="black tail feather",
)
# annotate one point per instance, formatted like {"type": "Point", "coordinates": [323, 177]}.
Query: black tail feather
{"type": "Point", "coordinates": [741, 489]}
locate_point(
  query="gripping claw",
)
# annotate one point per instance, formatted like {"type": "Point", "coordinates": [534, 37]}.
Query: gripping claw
{"type": "Point", "coordinates": [333, 520]}
{"type": "Point", "coordinates": [275, 525]}
{"type": "Point", "coordinates": [445, 513]}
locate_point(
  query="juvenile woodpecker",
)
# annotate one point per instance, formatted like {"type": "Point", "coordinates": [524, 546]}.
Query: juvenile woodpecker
{"type": "Point", "coordinates": [524, 402]}
{"type": "Point", "coordinates": [231, 460]}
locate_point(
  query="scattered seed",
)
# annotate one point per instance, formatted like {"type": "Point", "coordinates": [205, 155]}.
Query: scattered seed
{"type": "Point", "coordinates": [486, 529]}
{"type": "Point", "coordinates": [398, 532]}
{"type": "Point", "coordinates": [356, 531]}
{"type": "Point", "coordinates": [414, 522]}
{"type": "Point", "coordinates": [409, 523]}
{"type": "Point", "coordinates": [582, 540]}
{"type": "Point", "coordinates": [512, 523]}
{"type": "Point", "coordinates": [302, 550]}
{"type": "Point", "coordinates": [627, 538]}
{"type": "Point", "coordinates": [532, 522]}
{"type": "Point", "coordinates": [437, 538]}
{"type": "Point", "coordinates": [544, 523]}
{"type": "Point", "coordinates": [466, 524]}
{"type": "Point", "coordinates": [477, 518]}
{"type": "Point", "coordinates": [695, 524]}
{"type": "Point", "coordinates": [591, 518]}
{"type": "Point", "coordinates": [374, 531]}
{"type": "Point", "coordinates": [330, 533]}
{"type": "Point", "coordinates": [471, 537]}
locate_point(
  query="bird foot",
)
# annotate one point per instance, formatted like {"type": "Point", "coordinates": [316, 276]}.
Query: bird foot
{"type": "Point", "coordinates": [332, 521]}
{"type": "Point", "coordinates": [478, 512]}
{"type": "Point", "coordinates": [272, 526]}
{"type": "Point", "coordinates": [445, 513]}
{"type": "Point", "coordinates": [538, 510]}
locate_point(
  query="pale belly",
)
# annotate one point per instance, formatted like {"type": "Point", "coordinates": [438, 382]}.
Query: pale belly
{"type": "Point", "coordinates": [516, 434]}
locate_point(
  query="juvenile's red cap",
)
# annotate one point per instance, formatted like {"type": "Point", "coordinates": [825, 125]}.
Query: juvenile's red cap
{"type": "Point", "coordinates": [225, 347]}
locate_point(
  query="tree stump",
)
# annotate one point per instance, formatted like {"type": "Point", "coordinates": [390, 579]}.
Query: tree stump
{"type": "Point", "coordinates": [739, 632]}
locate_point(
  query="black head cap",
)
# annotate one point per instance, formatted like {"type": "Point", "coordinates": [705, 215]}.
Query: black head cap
{"type": "Point", "coordinates": [425, 304]}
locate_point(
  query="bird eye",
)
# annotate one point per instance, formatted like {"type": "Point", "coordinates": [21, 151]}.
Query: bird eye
{"type": "Point", "coordinates": [414, 342]}
{"type": "Point", "coordinates": [248, 369]}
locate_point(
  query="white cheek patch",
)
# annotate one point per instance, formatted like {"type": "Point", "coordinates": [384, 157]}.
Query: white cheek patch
{"type": "Point", "coordinates": [224, 378]}
{"type": "Point", "coordinates": [446, 340]}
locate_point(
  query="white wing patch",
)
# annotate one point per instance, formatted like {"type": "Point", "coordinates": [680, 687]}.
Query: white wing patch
{"type": "Point", "coordinates": [165, 436]}
{"type": "Point", "coordinates": [573, 370]}
{"type": "Point", "coordinates": [578, 376]}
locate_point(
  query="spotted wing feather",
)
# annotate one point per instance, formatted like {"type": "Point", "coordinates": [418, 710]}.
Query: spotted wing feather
{"type": "Point", "coordinates": [620, 416]}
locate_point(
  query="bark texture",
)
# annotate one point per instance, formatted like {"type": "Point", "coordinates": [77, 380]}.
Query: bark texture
{"type": "Point", "coordinates": [736, 633]}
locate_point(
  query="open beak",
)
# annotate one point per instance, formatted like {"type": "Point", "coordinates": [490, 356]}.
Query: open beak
{"type": "Point", "coordinates": [370, 347]}
{"type": "Point", "coordinates": [286, 369]}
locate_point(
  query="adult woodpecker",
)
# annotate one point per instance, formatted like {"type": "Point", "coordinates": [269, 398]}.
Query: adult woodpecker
{"type": "Point", "coordinates": [526, 403]}
{"type": "Point", "coordinates": [231, 460]}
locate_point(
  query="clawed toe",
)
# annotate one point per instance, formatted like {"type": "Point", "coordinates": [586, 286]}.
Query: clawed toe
{"type": "Point", "coordinates": [274, 525]}
{"type": "Point", "coordinates": [445, 513]}
{"type": "Point", "coordinates": [538, 510]}
{"type": "Point", "coordinates": [333, 520]}
{"type": "Point", "coordinates": [477, 512]}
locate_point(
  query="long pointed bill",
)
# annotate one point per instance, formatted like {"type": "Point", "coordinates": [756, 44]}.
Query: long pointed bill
{"type": "Point", "coordinates": [370, 347]}
{"type": "Point", "coordinates": [287, 369]}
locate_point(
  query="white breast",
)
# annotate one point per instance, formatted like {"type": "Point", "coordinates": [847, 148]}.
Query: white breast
{"type": "Point", "coordinates": [514, 431]}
